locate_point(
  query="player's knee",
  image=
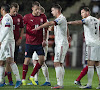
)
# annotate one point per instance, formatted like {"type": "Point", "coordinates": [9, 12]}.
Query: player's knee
{"type": "Point", "coordinates": [2, 63]}
{"type": "Point", "coordinates": [56, 64]}
{"type": "Point", "coordinates": [26, 61]}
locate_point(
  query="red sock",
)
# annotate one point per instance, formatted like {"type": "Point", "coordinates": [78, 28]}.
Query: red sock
{"type": "Point", "coordinates": [5, 73]}
{"type": "Point", "coordinates": [25, 69]}
{"type": "Point", "coordinates": [9, 76]}
{"type": "Point", "coordinates": [35, 70]}
{"type": "Point", "coordinates": [82, 74]}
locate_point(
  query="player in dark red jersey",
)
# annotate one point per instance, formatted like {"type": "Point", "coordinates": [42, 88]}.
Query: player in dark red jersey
{"type": "Point", "coordinates": [18, 33]}
{"type": "Point", "coordinates": [18, 27]}
{"type": "Point", "coordinates": [34, 40]}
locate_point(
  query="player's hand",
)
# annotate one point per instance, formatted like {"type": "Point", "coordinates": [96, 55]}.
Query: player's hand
{"type": "Point", "coordinates": [44, 43]}
{"type": "Point", "coordinates": [38, 28]}
{"type": "Point", "coordinates": [18, 42]}
{"type": "Point", "coordinates": [69, 39]}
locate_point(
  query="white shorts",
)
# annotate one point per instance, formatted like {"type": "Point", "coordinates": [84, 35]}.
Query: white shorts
{"type": "Point", "coordinates": [60, 53]}
{"type": "Point", "coordinates": [7, 50]}
{"type": "Point", "coordinates": [35, 56]}
{"type": "Point", "coordinates": [93, 53]}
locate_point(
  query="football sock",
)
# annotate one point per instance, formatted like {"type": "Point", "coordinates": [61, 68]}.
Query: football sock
{"type": "Point", "coordinates": [82, 74]}
{"type": "Point", "coordinates": [59, 76]}
{"type": "Point", "coordinates": [9, 75]}
{"type": "Point", "coordinates": [45, 72]}
{"type": "Point", "coordinates": [98, 72]}
{"type": "Point", "coordinates": [15, 71]}
{"type": "Point", "coordinates": [25, 69]}
{"type": "Point", "coordinates": [36, 75]}
{"type": "Point", "coordinates": [90, 75]}
{"type": "Point", "coordinates": [2, 70]}
{"type": "Point", "coordinates": [36, 68]}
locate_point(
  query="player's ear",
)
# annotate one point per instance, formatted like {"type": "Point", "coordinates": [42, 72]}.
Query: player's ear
{"type": "Point", "coordinates": [32, 8]}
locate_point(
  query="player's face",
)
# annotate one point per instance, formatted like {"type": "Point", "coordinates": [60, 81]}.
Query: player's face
{"type": "Point", "coordinates": [36, 10]}
{"type": "Point", "coordinates": [14, 11]}
{"type": "Point", "coordinates": [2, 11]}
{"type": "Point", "coordinates": [54, 11]}
{"type": "Point", "coordinates": [84, 13]}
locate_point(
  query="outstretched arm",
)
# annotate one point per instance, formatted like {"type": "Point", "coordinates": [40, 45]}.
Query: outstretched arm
{"type": "Point", "coordinates": [45, 25]}
{"type": "Point", "coordinates": [75, 22]}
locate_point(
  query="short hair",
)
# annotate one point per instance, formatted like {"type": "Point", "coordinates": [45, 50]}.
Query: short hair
{"type": "Point", "coordinates": [86, 9]}
{"type": "Point", "coordinates": [42, 9]}
{"type": "Point", "coordinates": [57, 6]}
{"type": "Point", "coordinates": [35, 3]}
{"type": "Point", "coordinates": [6, 7]}
{"type": "Point", "coordinates": [14, 5]}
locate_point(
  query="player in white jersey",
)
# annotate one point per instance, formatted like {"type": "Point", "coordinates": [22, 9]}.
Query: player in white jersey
{"type": "Point", "coordinates": [61, 42]}
{"type": "Point", "coordinates": [91, 32]}
{"type": "Point", "coordinates": [7, 46]}
{"type": "Point", "coordinates": [35, 57]}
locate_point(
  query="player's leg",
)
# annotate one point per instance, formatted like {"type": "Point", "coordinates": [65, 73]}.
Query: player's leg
{"type": "Point", "coordinates": [45, 69]}
{"type": "Point", "coordinates": [40, 52]}
{"type": "Point", "coordinates": [28, 55]}
{"type": "Point", "coordinates": [2, 70]}
{"type": "Point", "coordinates": [46, 75]}
{"type": "Point", "coordinates": [82, 74]}
{"type": "Point", "coordinates": [60, 52]}
{"type": "Point", "coordinates": [10, 60]}
{"type": "Point", "coordinates": [8, 73]}
{"type": "Point", "coordinates": [35, 61]}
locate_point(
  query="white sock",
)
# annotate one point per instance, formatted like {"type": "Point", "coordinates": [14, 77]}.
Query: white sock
{"type": "Point", "coordinates": [45, 72]}
{"type": "Point", "coordinates": [90, 75]}
{"type": "Point", "coordinates": [63, 71]}
{"type": "Point", "coordinates": [98, 72]}
{"type": "Point", "coordinates": [15, 71]}
{"type": "Point", "coordinates": [2, 70]}
{"type": "Point", "coordinates": [59, 76]}
{"type": "Point", "coordinates": [36, 75]}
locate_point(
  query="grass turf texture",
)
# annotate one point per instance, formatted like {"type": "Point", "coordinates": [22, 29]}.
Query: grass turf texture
{"type": "Point", "coordinates": [69, 78]}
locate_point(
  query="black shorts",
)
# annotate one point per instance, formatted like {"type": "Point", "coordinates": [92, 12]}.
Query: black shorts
{"type": "Point", "coordinates": [29, 50]}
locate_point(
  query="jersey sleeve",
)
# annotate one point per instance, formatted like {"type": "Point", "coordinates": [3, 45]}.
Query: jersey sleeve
{"type": "Point", "coordinates": [21, 23]}
{"type": "Point", "coordinates": [58, 21]}
{"type": "Point", "coordinates": [6, 27]}
{"type": "Point", "coordinates": [85, 21]}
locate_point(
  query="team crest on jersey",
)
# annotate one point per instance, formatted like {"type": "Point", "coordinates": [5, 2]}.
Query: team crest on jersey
{"type": "Point", "coordinates": [18, 19]}
{"type": "Point", "coordinates": [41, 21]}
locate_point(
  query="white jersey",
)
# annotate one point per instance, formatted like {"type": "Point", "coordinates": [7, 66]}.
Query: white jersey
{"type": "Point", "coordinates": [91, 31]}
{"type": "Point", "coordinates": [60, 30]}
{"type": "Point", "coordinates": [6, 31]}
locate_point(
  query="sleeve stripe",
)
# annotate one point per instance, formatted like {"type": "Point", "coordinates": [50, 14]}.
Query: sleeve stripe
{"type": "Point", "coordinates": [55, 23]}
{"type": "Point", "coordinates": [7, 25]}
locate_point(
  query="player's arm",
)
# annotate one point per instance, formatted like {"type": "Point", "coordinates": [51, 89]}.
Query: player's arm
{"type": "Point", "coordinates": [46, 25]}
{"type": "Point", "coordinates": [68, 36]}
{"type": "Point", "coordinates": [75, 22]}
{"type": "Point", "coordinates": [20, 38]}
{"type": "Point", "coordinates": [6, 29]}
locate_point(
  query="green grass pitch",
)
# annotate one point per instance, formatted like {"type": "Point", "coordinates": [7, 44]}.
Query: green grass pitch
{"type": "Point", "coordinates": [70, 75]}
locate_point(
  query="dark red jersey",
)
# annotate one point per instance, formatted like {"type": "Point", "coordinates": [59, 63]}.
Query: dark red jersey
{"type": "Point", "coordinates": [17, 24]}
{"type": "Point", "coordinates": [34, 37]}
